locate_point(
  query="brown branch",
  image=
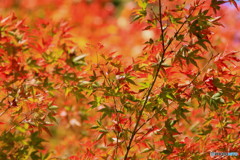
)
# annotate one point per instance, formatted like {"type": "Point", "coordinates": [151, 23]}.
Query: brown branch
{"type": "Point", "coordinates": [164, 48]}
{"type": "Point", "coordinates": [152, 84]}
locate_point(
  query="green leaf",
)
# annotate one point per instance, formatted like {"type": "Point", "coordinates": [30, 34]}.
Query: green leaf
{"type": "Point", "coordinates": [206, 130]}
{"type": "Point", "coordinates": [32, 63]}
{"type": "Point", "coordinates": [53, 107]}
{"type": "Point", "coordinates": [202, 44]}
{"type": "Point", "coordinates": [108, 111]}
{"type": "Point", "coordinates": [174, 20]}
{"type": "Point", "coordinates": [131, 81]}
{"type": "Point", "coordinates": [79, 58]}
{"type": "Point", "coordinates": [103, 130]}
{"type": "Point", "coordinates": [180, 37]}
{"type": "Point", "coordinates": [146, 150]}
{"type": "Point", "coordinates": [166, 152]}
{"type": "Point", "coordinates": [193, 62]}
{"type": "Point", "coordinates": [94, 127]}
{"type": "Point", "coordinates": [215, 4]}
{"type": "Point", "coordinates": [136, 17]}
{"type": "Point", "coordinates": [170, 96]}
{"type": "Point", "coordinates": [179, 145]}
{"type": "Point", "coordinates": [143, 4]}
{"type": "Point", "coordinates": [96, 102]}
{"type": "Point", "coordinates": [100, 136]}
{"type": "Point", "coordinates": [217, 95]}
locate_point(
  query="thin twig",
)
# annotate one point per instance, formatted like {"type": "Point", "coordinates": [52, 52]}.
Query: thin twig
{"type": "Point", "coordinates": [164, 48]}
{"type": "Point", "coordinates": [115, 108]}
{"type": "Point", "coordinates": [152, 84]}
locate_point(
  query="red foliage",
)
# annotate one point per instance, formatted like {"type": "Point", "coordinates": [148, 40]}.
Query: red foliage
{"type": "Point", "coordinates": [176, 96]}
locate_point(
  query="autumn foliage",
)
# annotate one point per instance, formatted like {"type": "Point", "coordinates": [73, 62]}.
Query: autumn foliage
{"type": "Point", "coordinates": [143, 79]}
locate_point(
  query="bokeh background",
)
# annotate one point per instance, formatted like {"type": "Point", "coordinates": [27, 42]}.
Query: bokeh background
{"type": "Point", "coordinates": [108, 22]}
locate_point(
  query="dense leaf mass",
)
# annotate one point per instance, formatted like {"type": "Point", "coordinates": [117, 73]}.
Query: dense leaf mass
{"type": "Point", "coordinates": [102, 79]}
